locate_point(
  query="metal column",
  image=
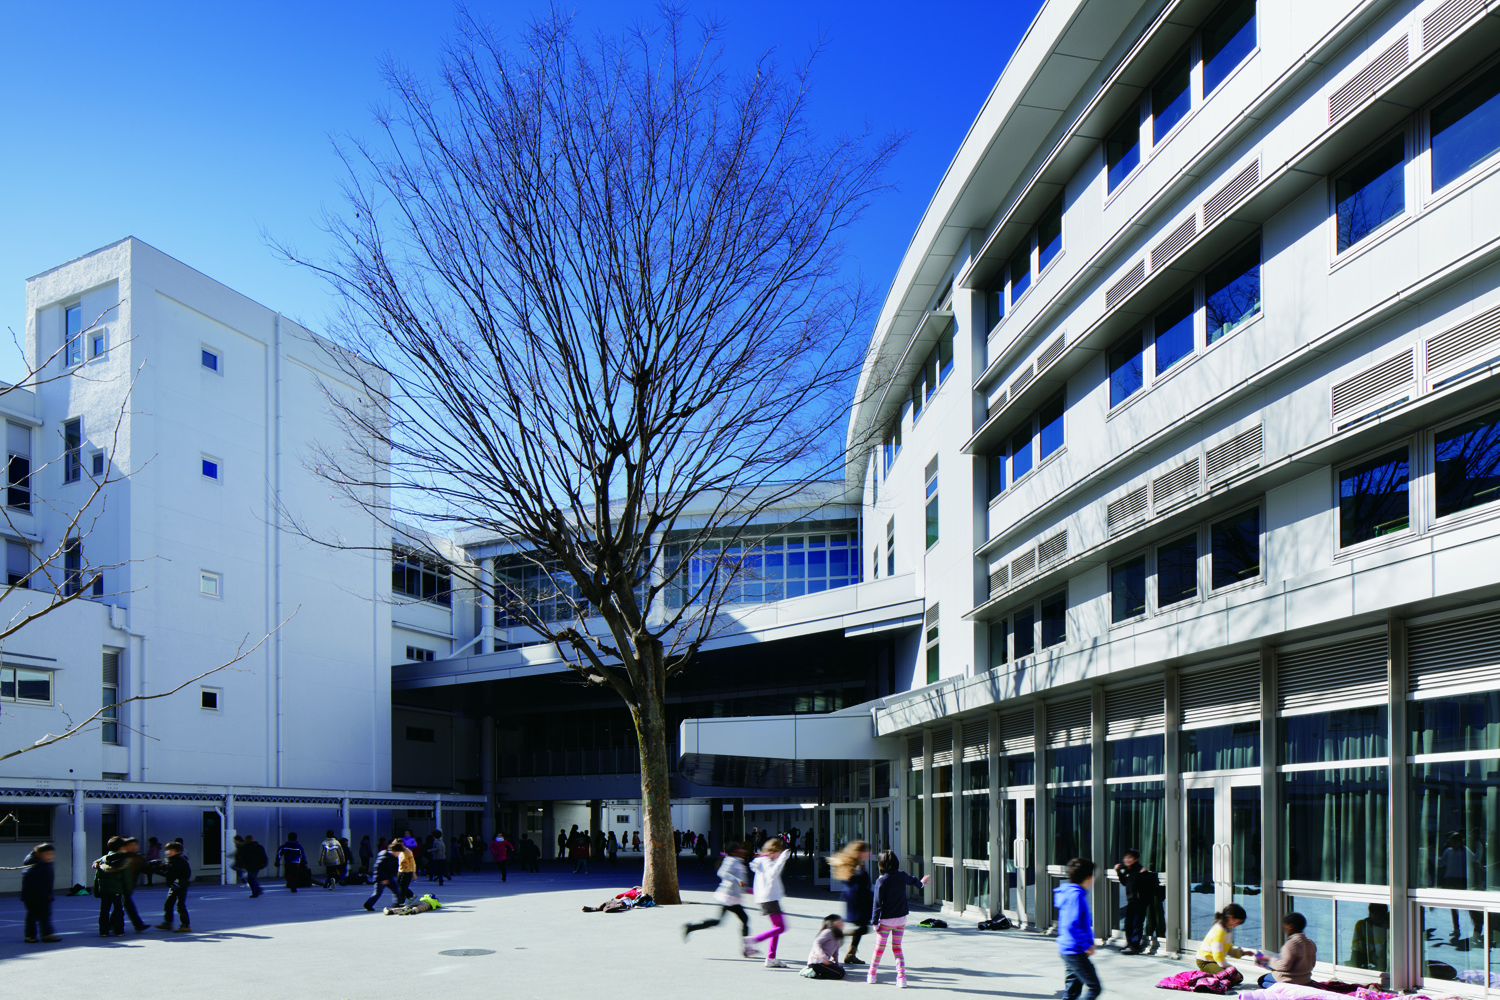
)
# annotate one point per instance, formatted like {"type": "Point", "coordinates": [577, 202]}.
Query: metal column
{"type": "Point", "coordinates": [80, 838]}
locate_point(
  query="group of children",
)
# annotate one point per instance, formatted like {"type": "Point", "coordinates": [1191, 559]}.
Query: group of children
{"type": "Point", "coordinates": [883, 906]}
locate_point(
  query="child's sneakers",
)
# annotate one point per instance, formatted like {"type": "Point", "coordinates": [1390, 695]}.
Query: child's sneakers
{"type": "Point", "coordinates": [808, 973]}
{"type": "Point", "coordinates": [901, 982]}
{"type": "Point", "coordinates": [775, 963]}
{"type": "Point", "coordinates": [870, 977]}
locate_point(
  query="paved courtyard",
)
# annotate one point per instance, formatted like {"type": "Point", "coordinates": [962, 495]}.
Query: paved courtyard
{"type": "Point", "coordinates": [534, 943]}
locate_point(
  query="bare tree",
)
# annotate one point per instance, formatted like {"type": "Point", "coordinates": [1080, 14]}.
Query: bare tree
{"type": "Point", "coordinates": [601, 308]}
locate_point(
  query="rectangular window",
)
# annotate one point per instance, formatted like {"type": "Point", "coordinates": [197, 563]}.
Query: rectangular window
{"type": "Point", "coordinates": [1127, 589]}
{"type": "Point", "coordinates": [33, 823]}
{"type": "Point", "coordinates": [892, 445]}
{"type": "Point", "coordinates": [72, 567]}
{"type": "Point", "coordinates": [1232, 292]}
{"type": "Point", "coordinates": [1327, 737]}
{"type": "Point", "coordinates": [209, 359]}
{"type": "Point", "coordinates": [1020, 452]}
{"type": "Point", "coordinates": [934, 671]}
{"type": "Point", "coordinates": [1372, 193]}
{"type": "Point", "coordinates": [1343, 811]}
{"type": "Point", "coordinates": [210, 584]}
{"type": "Point", "coordinates": [1221, 748]}
{"type": "Point", "coordinates": [18, 487]}
{"type": "Point", "coordinates": [1235, 556]}
{"type": "Point", "coordinates": [1468, 465]}
{"type": "Point", "coordinates": [999, 643]}
{"type": "Point", "coordinates": [1171, 96]}
{"type": "Point", "coordinates": [916, 397]}
{"type": "Point", "coordinates": [96, 344]}
{"type": "Point", "coordinates": [210, 468]}
{"type": "Point", "coordinates": [98, 585]}
{"type": "Point", "coordinates": [420, 734]}
{"type": "Point", "coordinates": [17, 564]}
{"type": "Point", "coordinates": [109, 721]}
{"type": "Point", "coordinates": [1127, 369]}
{"type": "Point", "coordinates": [96, 464]}
{"type": "Point", "coordinates": [1135, 757]}
{"type": "Point", "coordinates": [1020, 270]}
{"type": "Point", "coordinates": [1050, 419]}
{"type": "Point", "coordinates": [1452, 825]}
{"type": "Point", "coordinates": [1466, 129]}
{"type": "Point", "coordinates": [73, 335]}
{"type": "Point", "coordinates": [1055, 619]}
{"type": "Point", "coordinates": [72, 450]}
{"type": "Point", "coordinates": [995, 475]}
{"type": "Point", "coordinates": [208, 699]}
{"type": "Point", "coordinates": [1177, 571]}
{"type": "Point", "coordinates": [26, 684]}
{"type": "Point", "coordinates": [1122, 149]}
{"type": "Point", "coordinates": [414, 576]}
{"type": "Point", "coordinates": [420, 655]}
{"type": "Point", "coordinates": [890, 547]}
{"type": "Point", "coordinates": [943, 356]}
{"type": "Point", "coordinates": [1049, 239]}
{"type": "Point", "coordinates": [1373, 498]}
{"type": "Point", "coordinates": [994, 304]}
{"type": "Point", "coordinates": [1174, 333]}
{"type": "Point", "coordinates": [1025, 632]}
{"type": "Point", "coordinates": [1228, 37]}
{"type": "Point", "coordinates": [932, 522]}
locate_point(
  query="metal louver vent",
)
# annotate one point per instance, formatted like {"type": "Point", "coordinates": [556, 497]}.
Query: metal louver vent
{"type": "Point", "coordinates": [914, 753]}
{"type": "Point", "coordinates": [1175, 241]}
{"type": "Point", "coordinates": [932, 467]}
{"type": "Point", "coordinates": [1134, 711]}
{"type": "Point", "coordinates": [1348, 671]}
{"type": "Point", "coordinates": [1018, 732]}
{"type": "Point", "coordinates": [1125, 285]}
{"type": "Point", "coordinates": [1446, 20]}
{"type": "Point", "coordinates": [111, 667]}
{"type": "Point", "coordinates": [1470, 335]}
{"type": "Point", "coordinates": [1373, 383]}
{"type": "Point", "coordinates": [977, 740]}
{"type": "Point", "coordinates": [1129, 509]}
{"type": "Point", "coordinates": [1449, 657]}
{"type": "Point", "coordinates": [1228, 694]}
{"type": "Point", "coordinates": [932, 616]}
{"type": "Point", "coordinates": [1215, 207]}
{"type": "Point", "coordinates": [1181, 482]}
{"type": "Point", "coordinates": [1381, 71]}
{"type": "Point", "coordinates": [1023, 564]}
{"type": "Point", "coordinates": [1022, 381]}
{"type": "Point", "coordinates": [1070, 722]}
{"type": "Point", "coordinates": [1053, 548]}
{"type": "Point", "coordinates": [942, 748]}
{"type": "Point", "coordinates": [1237, 451]}
{"type": "Point", "coordinates": [999, 580]}
{"type": "Point", "coordinates": [1052, 353]}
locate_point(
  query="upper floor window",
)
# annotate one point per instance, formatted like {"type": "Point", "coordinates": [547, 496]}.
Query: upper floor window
{"type": "Point", "coordinates": [1122, 149]}
{"type": "Point", "coordinates": [1171, 573]}
{"type": "Point", "coordinates": [1030, 258]}
{"type": "Point", "coordinates": [209, 467]}
{"type": "Point", "coordinates": [1171, 96]}
{"type": "Point", "coordinates": [935, 371]}
{"type": "Point", "coordinates": [1372, 192]}
{"type": "Point", "coordinates": [995, 474]}
{"type": "Point", "coordinates": [210, 584]}
{"type": "Point", "coordinates": [1054, 619]}
{"type": "Point", "coordinates": [891, 447]}
{"type": "Point", "coordinates": [1374, 499]}
{"type": "Point", "coordinates": [72, 567]}
{"type": "Point", "coordinates": [73, 335]}
{"type": "Point", "coordinates": [1022, 627]}
{"type": "Point", "coordinates": [18, 566]}
{"type": "Point", "coordinates": [96, 343]}
{"type": "Point", "coordinates": [18, 486]}
{"type": "Point", "coordinates": [1465, 128]}
{"type": "Point", "coordinates": [890, 547]}
{"type": "Point", "coordinates": [994, 304]}
{"type": "Point", "coordinates": [420, 655]}
{"type": "Point", "coordinates": [26, 684]}
{"type": "Point", "coordinates": [932, 503]}
{"type": "Point", "coordinates": [210, 358]}
{"type": "Point", "coordinates": [414, 576]}
{"type": "Point", "coordinates": [1038, 436]}
{"type": "Point", "coordinates": [72, 450]}
{"type": "Point", "coordinates": [1467, 464]}
{"type": "Point", "coordinates": [1228, 37]}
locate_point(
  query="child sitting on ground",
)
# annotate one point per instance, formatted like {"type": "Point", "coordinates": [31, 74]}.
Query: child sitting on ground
{"type": "Point", "coordinates": [1219, 942]}
{"type": "Point", "coordinates": [823, 960]}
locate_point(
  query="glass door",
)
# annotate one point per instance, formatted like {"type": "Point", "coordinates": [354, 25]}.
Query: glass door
{"type": "Point", "coordinates": [1221, 853]}
{"type": "Point", "coordinates": [850, 822]}
{"type": "Point", "coordinates": [823, 827]}
{"type": "Point", "coordinates": [1018, 861]}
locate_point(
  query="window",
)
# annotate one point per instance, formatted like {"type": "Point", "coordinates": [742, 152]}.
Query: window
{"type": "Point", "coordinates": [932, 504]}
{"type": "Point", "coordinates": [210, 359]}
{"type": "Point", "coordinates": [72, 450]}
{"type": "Point", "coordinates": [1122, 149]}
{"type": "Point", "coordinates": [1045, 241]}
{"type": "Point", "coordinates": [1467, 465]}
{"type": "Point", "coordinates": [1020, 451]}
{"type": "Point", "coordinates": [1127, 371]}
{"type": "Point", "coordinates": [109, 725]}
{"type": "Point", "coordinates": [73, 335]}
{"type": "Point", "coordinates": [1174, 333]}
{"type": "Point", "coordinates": [96, 464]}
{"type": "Point", "coordinates": [1371, 193]}
{"type": "Point", "coordinates": [935, 371]}
{"type": "Point", "coordinates": [1049, 235]}
{"type": "Point", "coordinates": [1228, 37]}
{"type": "Point", "coordinates": [1055, 619]}
{"type": "Point", "coordinates": [72, 567]}
{"type": "Point", "coordinates": [994, 304]}
{"type": "Point", "coordinates": [208, 699]}
{"type": "Point", "coordinates": [1466, 128]}
{"type": "Point", "coordinates": [17, 564]}
{"type": "Point", "coordinates": [98, 584]}
{"type": "Point", "coordinates": [1373, 498]}
{"type": "Point", "coordinates": [1232, 292]}
{"type": "Point", "coordinates": [999, 643]}
{"type": "Point", "coordinates": [1020, 271]}
{"type": "Point", "coordinates": [420, 655]}
{"type": "Point", "coordinates": [1127, 589]}
{"type": "Point", "coordinates": [33, 823]}
{"type": "Point", "coordinates": [1235, 553]}
{"type": "Point", "coordinates": [26, 684]}
{"type": "Point", "coordinates": [1177, 571]}
{"type": "Point", "coordinates": [892, 444]}
{"type": "Point", "coordinates": [890, 547]}
{"type": "Point", "coordinates": [875, 563]}
{"type": "Point", "coordinates": [210, 467]}
{"type": "Point", "coordinates": [1050, 422]}
{"type": "Point", "coordinates": [995, 475]}
{"type": "Point", "coordinates": [1171, 96]}
{"type": "Point", "coordinates": [1023, 627]}
{"type": "Point", "coordinates": [96, 343]}
{"type": "Point", "coordinates": [18, 489]}
{"type": "Point", "coordinates": [210, 584]}
{"type": "Point", "coordinates": [934, 671]}
{"type": "Point", "coordinates": [418, 577]}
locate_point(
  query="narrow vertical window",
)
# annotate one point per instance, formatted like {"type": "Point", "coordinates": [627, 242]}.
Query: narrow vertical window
{"type": "Point", "coordinates": [890, 547]}
{"type": "Point", "coordinates": [73, 335]}
{"type": "Point", "coordinates": [1050, 421]}
{"type": "Point", "coordinates": [1049, 240]}
{"type": "Point", "coordinates": [72, 567]}
{"type": "Point", "coordinates": [1127, 369]}
{"type": "Point", "coordinates": [994, 305]}
{"type": "Point", "coordinates": [996, 474]}
{"type": "Point", "coordinates": [109, 726]}
{"type": "Point", "coordinates": [944, 351]}
{"type": "Point", "coordinates": [72, 450]}
{"type": "Point", "coordinates": [1231, 292]}
{"type": "Point", "coordinates": [1127, 589]}
{"type": "Point", "coordinates": [17, 564]}
{"type": "Point", "coordinates": [1177, 571]}
{"type": "Point", "coordinates": [932, 504]}
{"type": "Point", "coordinates": [1372, 193]}
{"type": "Point", "coordinates": [1228, 37]}
{"type": "Point", "coordinates": [1122, 149]}
{"type": "Point", "coordinates": [1466, 129]}
{"type": "Point", "coordinates": [934, 668]}
{"type": "Point", "coordinates": [1055, 620]}
{"type": "Point", "coordinates": [1235, 556]}
{"type": "Point", "coordinates": [18, 486]}
{"type": "Point", "coordinates": [1025, 632]}
{"type": "Point", "coordinates": [1020, 270]}
{"type": "Point", "coordinates": [1020, 451]}
{"type": "Point", "coordinates": [1174, 333]}
{"type": "Point", "coordinates": [999, 643]}
{"type": "Point", "coordinates": [1171, 96]}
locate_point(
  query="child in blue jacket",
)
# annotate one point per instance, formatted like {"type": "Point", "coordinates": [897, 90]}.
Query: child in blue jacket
{"type": "Point", "coordinates": [1075, 929]}
{"type": "Point", "coordinates": [891, 911]}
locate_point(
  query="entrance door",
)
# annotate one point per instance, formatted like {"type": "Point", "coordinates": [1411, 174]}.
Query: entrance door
{"type": "Point", "coordinates": [1221, 853]}
{"type": "Point", "coordinates": [836, 826]}
{"type": "Point", "coordinates": [1018, 857]}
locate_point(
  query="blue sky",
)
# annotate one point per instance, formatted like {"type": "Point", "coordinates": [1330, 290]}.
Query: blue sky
{"type": "Point", "coordinates": [197, 127]}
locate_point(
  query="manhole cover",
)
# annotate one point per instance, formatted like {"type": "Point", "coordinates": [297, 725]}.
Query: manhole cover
{"type": "Point", "coordinates": [465, 952]}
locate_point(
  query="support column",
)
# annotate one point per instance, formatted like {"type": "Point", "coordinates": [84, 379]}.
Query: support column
{"type": "Point", "coordinates": [716, 824]}
{"type": "Point", "coordinates": [737, 821]}
{"type": "Point", "coordinates": [344, 815]}
{"type": "Point", "coordinates": [486, 604]}
{"type": "Point", "coordinates": [960, 834]}
{"type": "Point", "coordinates": [487, 762]}
{"type": "Point", "coordinates": [596, 815]}
{"type": "Point", "coordinates": [80, 838]}
{"type": "Point", "coordinates": [1270, 805]}
{"type": "Point", "coordinates": [1173, 872]}
{"type": "Point", "coordinates": [229, 827]}
{"type": "Point", "coordinates": [1041, 848]}
{"type": "Point", "coordinates": [997, 835]}
{"type": "Point", "coordinates": [1402, 942]}
{"type": "Point", "coordinates": [437, 812]}
{"type": "Point", "coordinates": [1098, 832]}
{"type": "Point", "coordinates": [930, 890]}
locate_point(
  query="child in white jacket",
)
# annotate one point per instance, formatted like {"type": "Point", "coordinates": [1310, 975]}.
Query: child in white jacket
{"type": "Point", "coordinates": [733, 879]}
{"type": "Point", "coordinates": [769, 892]}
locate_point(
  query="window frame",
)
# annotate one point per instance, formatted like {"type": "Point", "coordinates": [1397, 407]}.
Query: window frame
{"type": "Point", "coordinates": [16, 487]}
{"type": "Point", "coordinates": [98, 342]}
{"type": "Point", "coordinates": [205, 460]}
{"type": "Point", "coordinates": [1414, 475]}
{"type": "Point", "coordinates": [98, 464]}
{"type": "Point", "coordinates": [1122, 563]}
{"type": "Point", "coordinates": [109, 718]}
{"type": "Point", "coordinates": [205, 575]}
{"type": "Point", "coordinates": [15, 698]}
{"type": "Point", "coordinates": [1207, 589]}
{"type": "Point", "coordinates": [71, 340]}
{"type": "Point", "coordinates": [73, 455]}
{"type": "Point", "coordinates": [1121, 124]}
{"type": "Point", "coordinates": [1431, 519]}
{"type": "Point", "coordinates": [890, 547]}
{"type": "Point", "coordinates": [415, 654]}
{"type": "Point", "coordinates": [1409, 205]}
{"type": "Point", "coordinates": [1431, 195]}
{"type": "Point", "coordinates": [206, 691]}
{"type": "Point", "coordinates": [931, 510]}
{"type": "Point", "coordinates": [218, 356]}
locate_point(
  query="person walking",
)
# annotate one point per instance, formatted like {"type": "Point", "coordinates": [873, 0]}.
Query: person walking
{"type": "Point", "coordinates": [135, 863]}
{"type": "Point", "coordinates": [251, 857]}
{"type": "Point", "coordinates": [1218, 944]}
{"type": "Point", "coordinates": [111, 878]}
{"type": "Point", "coordinates": [153, 855]}
{"type": "Point", "coordinates": [530, 855]}
{"type": "Point", "coordinates": [563, 842]}
{"type": "Point", "coordinates": [734, 878]}
{"type": "Point", "coordinates": [890, 912]}
{"type": "Point", "coordinates": [178, 875]}
{"type": "Point", "coordinates": [234, 860]}
{"type": "Point", "coordinates": [823, 960]}
{"type": "Point", "coordinates": [36, 894]}
{"type": "Point", "coordinates": [1139, 883]}
{"type": "Point", "coordinates": [460, 855]}
{"type": "Point", "coordinates": [331, 856]}
{"type": "Point", "coordinates": [437, 865]}
{"type": "Point", "coordinates": [500, 850]}
{"type": "Point", "coordinates": [701, 849]}
{"type": "Point", "coordinates": [580, 845]}
{"type": "Point", "coordinates": [848, 866]}
{"type": "Point", "coordinates": [387, 873]}
{"type": "Point", "coordinates": [406, 871]}
{"type": "Point", "coordinates": [365, 854]}
{"type": "Point", "coordinates": [1075, 929]}
{"type": "Point", "coordinates": [769, 892]}
{"type": "Point", "coordinates": [294, 863]}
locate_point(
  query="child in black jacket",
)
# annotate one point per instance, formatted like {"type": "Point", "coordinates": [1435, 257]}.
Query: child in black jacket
{"type": "Point", "coordinates": [178, 874]}
{"type": "Point", "coordinates": [36, 894]}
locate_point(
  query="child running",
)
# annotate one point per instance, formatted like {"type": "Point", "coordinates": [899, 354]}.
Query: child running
{"type": "Point", "coordinates": [768, 893]}
{"type": "Point", "coordinates": [890, 913]}
{"type": "Point", "coordinates": [823, 960]}
{"type": "Point", "coordinates": [1075, 930]}
{"type": "Point", "coordinates": [1218, 943]}
{"type": "Point", "coordinates": [733, 877]}
{"type": "Point", "coordinates": [848, 866]}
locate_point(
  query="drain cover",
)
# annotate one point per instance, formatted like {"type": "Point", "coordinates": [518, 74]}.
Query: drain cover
{"type": "Point", "coordinates": [465, 952]}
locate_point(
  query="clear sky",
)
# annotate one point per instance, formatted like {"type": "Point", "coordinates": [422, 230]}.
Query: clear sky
{"type": "Point", "coordinates": [198, 126]}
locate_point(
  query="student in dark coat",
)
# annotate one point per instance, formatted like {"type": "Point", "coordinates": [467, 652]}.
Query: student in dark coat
{"type": "Point", "coordinates": [178, 874]}
{"type": "Point", "coordinates": [387, 868]}
{"type": "Point", "coordinates": [252, 857]}
{"type": "Point", "coordinates": [36, 893]}
{"type": "Point", "coordinates": [1140, 884]}
{"type": "Point", "coordinates": [848, 866]}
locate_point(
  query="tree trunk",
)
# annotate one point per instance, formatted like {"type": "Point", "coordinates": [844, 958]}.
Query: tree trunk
{"type": "Point", "coordinates": [659, 849]}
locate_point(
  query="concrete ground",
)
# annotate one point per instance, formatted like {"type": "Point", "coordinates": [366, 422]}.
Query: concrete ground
{"type": "Point", "coordinates": [531, 938]}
